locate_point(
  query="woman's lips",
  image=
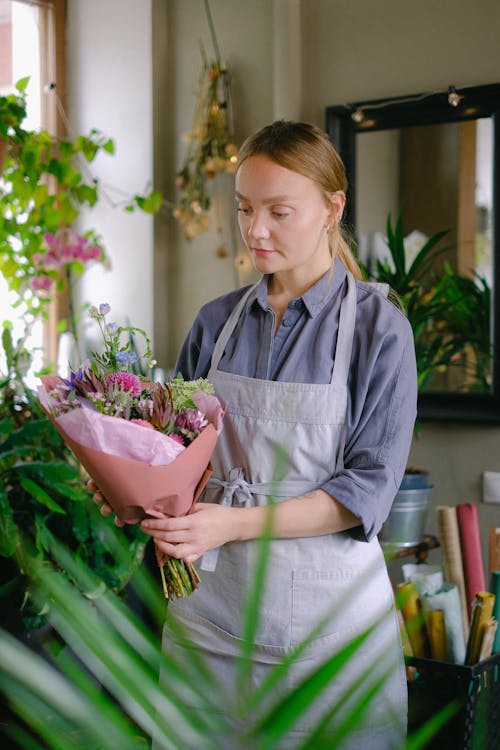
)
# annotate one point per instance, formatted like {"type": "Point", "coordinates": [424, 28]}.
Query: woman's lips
{"type": "Point", "coordinates": [262, 251]}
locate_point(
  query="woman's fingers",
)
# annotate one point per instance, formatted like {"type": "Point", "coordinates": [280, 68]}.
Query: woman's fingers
{"type": "Point", "coordinates": [189, 537]}
{"type": "Point", "coordinates": [99, 499]}
{"type": "Point", "coordinates": [182, 551]}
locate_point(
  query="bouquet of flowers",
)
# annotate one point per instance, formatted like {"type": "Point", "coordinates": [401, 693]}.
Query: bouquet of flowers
{"type": "Point", "coordinates": [147, 445]}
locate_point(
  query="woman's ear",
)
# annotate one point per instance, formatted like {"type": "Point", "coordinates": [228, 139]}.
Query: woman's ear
{"type": "Point", "coordinates": [336, 203]}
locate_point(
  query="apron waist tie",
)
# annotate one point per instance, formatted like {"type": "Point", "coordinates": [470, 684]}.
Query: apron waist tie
{"type": "Point", "coordinates": [237, 491]}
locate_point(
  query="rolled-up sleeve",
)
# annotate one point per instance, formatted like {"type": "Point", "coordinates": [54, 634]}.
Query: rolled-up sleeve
{"type": "Point", "coordinates": [383, 400]}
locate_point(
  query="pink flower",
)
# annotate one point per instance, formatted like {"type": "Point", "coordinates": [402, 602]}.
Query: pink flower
{"type": "Point", "coordinates": [176, 438]}
{"type": "Point", "coordinates": [64, 247]}
{"type": "Point", "coordinates": [126, 381]}
{"type": "Point", "coordinates": [42, 284]}
{"type": "Point", "coordinates": [191, 420]}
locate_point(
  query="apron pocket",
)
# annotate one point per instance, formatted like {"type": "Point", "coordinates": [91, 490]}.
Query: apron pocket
{"type": "Point", "coordinates": [337, 604]}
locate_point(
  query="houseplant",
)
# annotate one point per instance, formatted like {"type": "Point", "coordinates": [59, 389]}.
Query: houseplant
{"type": "Point", "coordinates": [68, 708]}
{"type": "Point", "coordinates": [449, 315]}
{"type": "Point", "coordinates": [45, 181]}
{"type": "Point", "coordinates": [43, 494]}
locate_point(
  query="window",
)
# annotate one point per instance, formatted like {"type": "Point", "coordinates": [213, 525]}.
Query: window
{"type": "Point", "coordinates": [30, 45]}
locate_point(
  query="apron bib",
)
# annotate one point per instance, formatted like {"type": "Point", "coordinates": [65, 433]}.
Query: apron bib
{"type": "Point", "coordinates": [331, 577]}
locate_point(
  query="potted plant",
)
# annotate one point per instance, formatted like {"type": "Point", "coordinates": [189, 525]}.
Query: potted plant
{"type": "Point", "coordinates": [43, 186]}
{"type": "Point", "coordinates": [448, 314]}
{"type": "Point", "coordinates": [43, 495]}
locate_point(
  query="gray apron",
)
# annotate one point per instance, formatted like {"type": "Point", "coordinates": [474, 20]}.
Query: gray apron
{"type": "Point", "coordinates": [331, 576]}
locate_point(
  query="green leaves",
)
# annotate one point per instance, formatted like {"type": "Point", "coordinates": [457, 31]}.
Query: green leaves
{"type": "Point", "coordinates": [34, 489]}
{"type": "Point", "coordinates": [151, 203]}
{"type": "Point", "coordinates": [22, 84]}
{"type": "Point", "coordinates": [448, 312]}
{"type": "Point", "coordinates": [102, 688]}
{"type": "Point", "coordinates": [8, 528]}
{"type": "Point", "coordinates": [31, 206]}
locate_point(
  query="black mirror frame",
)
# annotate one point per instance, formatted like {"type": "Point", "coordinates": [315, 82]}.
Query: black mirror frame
{"type": "Point", "coordinates": [426, 109]}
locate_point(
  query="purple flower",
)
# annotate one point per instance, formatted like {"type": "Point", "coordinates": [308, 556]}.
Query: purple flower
{"type": "Point", "coordinates": [126, 358]}
{"type": "Point", "coordinates": [191, 420]}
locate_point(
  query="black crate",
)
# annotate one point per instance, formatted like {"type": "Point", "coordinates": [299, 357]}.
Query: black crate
{"type": "Point", "coordinates": [476, 691]}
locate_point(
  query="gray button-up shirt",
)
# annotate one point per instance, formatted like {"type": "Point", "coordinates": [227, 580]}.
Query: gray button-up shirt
{"type": "Point", "coordinates": [382, 386]}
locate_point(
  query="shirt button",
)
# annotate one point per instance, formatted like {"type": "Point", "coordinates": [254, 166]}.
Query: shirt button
{"type": "Point", "coordinates": [286, 322]}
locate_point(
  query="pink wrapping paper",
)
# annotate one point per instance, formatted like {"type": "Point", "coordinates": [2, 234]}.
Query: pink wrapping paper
{"type": "Point", "coordinates": [472, 552]}
{"type": "Point", "coordinates": [136, 489]}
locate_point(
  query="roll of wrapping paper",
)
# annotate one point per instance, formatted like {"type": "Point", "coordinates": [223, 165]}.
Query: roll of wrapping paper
{"type": "Point", "coordinates": [437, 634]}
{"type": "Point", "coordinates": [427, 578]}
{"type": "Point", "coordinates": [472, 552]}
{"type": "Point", "coordinates": [490, 629]}
{"type": "Point", "coordinates": [409, 602]}
{"type": "Point", "coordinates": [482, 611]}
{"type": "Point", "coordinates": [448, 599]}
{"type": "Point", "coordinates": [495, 589]}
{"type": "Point", "coordinates": [494, 550]}
{"type": "Point", "coordinates": [405, 640]}
{"type": "Point", "coordinates": [452, 556]}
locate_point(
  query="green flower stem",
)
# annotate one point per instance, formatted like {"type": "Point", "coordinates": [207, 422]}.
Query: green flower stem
{"type": "Point", "coordinates": [73, 326]}
{"type": "Point", "coordinates": [178, 578]}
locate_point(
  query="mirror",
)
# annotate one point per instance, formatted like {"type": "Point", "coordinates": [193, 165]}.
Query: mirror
{"type": "Point", "coordinates": [434, 159]}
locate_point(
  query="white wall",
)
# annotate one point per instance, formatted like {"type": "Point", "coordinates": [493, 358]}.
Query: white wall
{"type": "Point", "coordinates": [109, 87]}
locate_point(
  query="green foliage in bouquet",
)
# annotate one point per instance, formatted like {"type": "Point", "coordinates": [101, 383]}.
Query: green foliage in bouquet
{"type": "Point", "coordinates": [43, 495]}
{"type": "Point", "coordinates": [109, 696]}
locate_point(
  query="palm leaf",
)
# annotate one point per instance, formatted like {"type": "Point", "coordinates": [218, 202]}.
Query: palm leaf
{"type": "Point", "coordinates": [105, 692]}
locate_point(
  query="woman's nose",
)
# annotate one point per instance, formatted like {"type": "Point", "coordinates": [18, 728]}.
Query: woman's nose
{"type": "Point", "coordinates": [258, 228]}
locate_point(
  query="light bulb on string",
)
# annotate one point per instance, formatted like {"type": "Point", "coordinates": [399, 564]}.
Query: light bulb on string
{"type": "Point", "coordinates": [453, 97]}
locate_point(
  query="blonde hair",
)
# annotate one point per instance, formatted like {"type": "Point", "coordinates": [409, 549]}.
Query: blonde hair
{"type": "Point", "coordinates": [307, 150]}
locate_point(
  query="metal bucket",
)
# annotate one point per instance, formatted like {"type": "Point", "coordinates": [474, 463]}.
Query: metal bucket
{"type": "Point", "coordinates": [405, 525]}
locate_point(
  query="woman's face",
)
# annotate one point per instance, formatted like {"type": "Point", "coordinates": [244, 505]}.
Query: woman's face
{"type": "Point", "coordinates": [283, 218]}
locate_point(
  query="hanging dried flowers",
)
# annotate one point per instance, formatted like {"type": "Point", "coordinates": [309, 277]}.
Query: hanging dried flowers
{"type": "Point", "coordinates": [211, 149]}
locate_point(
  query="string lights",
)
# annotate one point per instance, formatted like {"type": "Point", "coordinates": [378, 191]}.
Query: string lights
{"type": "Point", "coordinates": [358, 111]}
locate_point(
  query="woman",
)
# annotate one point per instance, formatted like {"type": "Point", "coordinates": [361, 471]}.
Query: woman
{"type": "Point", "coordinates": [315, 362]}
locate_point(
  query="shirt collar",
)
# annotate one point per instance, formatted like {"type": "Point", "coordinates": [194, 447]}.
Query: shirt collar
{"type": "Point", "coordinates": [317, 296]}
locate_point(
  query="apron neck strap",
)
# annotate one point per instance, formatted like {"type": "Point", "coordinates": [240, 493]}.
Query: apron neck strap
{"type": "Point", "coordinates": [344, 338]}
{"type": "Point", "coordinates": [227, 330]}
{"type": "Point", "coordinates": [345, 334]}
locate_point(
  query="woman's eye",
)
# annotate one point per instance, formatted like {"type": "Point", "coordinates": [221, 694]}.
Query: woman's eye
{"type": "Point", "coordinates": [280, 214]}
{"type": "Point", "coordinates": [243, 210]}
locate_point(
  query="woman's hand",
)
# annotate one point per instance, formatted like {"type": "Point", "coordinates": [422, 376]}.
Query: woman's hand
{"type": "Point", "coordinates": [188, 537]}
{"type": "Point", "coordinates": [99, 499]}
